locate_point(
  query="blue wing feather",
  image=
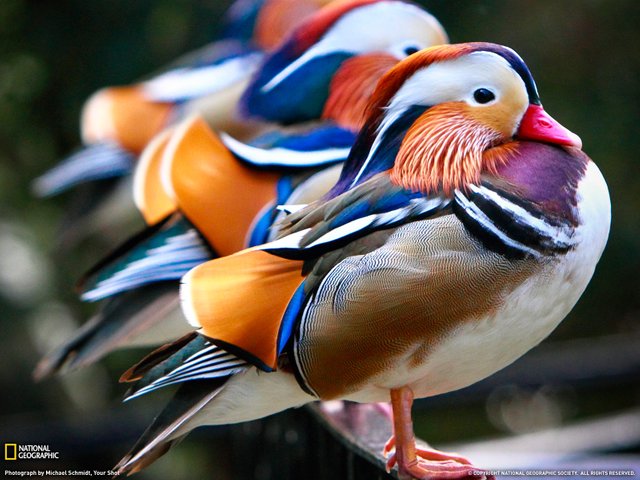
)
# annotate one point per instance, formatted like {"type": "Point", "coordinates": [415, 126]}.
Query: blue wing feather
{"type": "Point", "coordinates": [300, 96]}
{"type": "Point", "coordinates": [240, 19]}
{"type": "Point", "coordinates": [314, 147]}
{"type": "Point", "coordinates": [320, 137]}
{"type": "Point", "coordinates": [290, 318]}
{"type": "Point", "coordinates": [260, 232]}
{"type": "Point", "coordinates": [372, 205]}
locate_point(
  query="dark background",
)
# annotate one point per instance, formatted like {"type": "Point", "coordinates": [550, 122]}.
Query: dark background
{"type": "Point", "coordinates": [584, 57]}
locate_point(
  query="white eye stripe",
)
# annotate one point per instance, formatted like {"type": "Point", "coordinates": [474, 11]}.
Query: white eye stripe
{"type": "Point", "coordinates": [366, 29]}
{"type": "Point", "coordinates": [457, 80]}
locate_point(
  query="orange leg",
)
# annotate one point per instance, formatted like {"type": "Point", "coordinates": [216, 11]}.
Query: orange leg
{"type": "Point", "coordinates": [415, 462]}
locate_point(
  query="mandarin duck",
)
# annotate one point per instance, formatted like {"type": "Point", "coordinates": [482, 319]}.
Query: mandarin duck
{"type": "Point", "coordinates": [118, 122]}
{"type": "Point", "coordinates": [188, 180]}
{"type": "Point", "coordinates": [465, 225]}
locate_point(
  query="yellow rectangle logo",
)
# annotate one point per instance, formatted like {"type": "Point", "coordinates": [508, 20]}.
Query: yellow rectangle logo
{"type": "Point", "coordinates": [10, 451]}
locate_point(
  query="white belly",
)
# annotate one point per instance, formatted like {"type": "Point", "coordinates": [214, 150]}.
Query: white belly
{"type": "Point", "coordinates": [478, 349]}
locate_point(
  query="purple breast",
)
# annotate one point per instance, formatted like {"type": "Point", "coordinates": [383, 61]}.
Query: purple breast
{"type": "Point", "coordinates": [547, 176]}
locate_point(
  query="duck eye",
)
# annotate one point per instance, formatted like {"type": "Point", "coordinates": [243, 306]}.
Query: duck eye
{"type": "Point", "coordinates": [411, 50]}
{"type": "Point", "coordinates": [483, 95]}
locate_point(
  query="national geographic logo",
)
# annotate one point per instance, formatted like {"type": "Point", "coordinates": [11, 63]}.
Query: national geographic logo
{"type": "Point", "coordinates": [13, 451]}
{"type": "Point", "coordinates": [10, 451]}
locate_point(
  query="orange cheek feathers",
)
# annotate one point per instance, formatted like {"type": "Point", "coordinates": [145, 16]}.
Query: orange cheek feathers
{"type": "Point", "coordinates": [443, 149]}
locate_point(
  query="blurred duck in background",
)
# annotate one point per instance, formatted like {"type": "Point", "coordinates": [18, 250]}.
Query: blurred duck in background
{"type": "Point", "coordinates": [206, 195]}
{"type": "Point", "coordinates": [118, 122]}
{"type": "Point", "coordinates": [465, 225]}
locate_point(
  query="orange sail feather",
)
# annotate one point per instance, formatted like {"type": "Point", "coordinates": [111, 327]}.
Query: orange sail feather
{"type": "Point", "coordinates": [239, 301]}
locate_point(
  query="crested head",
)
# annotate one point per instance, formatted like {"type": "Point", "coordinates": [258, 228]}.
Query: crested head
{"type": "Point", "coordinates": [446, 107]}
{"type": "Point", "coordinates": [360, 26]}
{"type": "Point", "coordinates": [293, 83]}
{"type": "Point", "coordinates": [481, 60]}
{"type": "Point", "coordinates": [277, 18]}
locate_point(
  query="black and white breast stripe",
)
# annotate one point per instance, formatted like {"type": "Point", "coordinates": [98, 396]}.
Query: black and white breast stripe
{"type": "Point", "coordinates": [517, 230]}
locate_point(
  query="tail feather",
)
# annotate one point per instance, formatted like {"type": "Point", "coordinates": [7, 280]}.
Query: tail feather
{"type": "Point", "coordinates": [122, 250]}
{"type": "Point", "coordinates": [61, 358]}
{"type": "Point", "coordinates": [188, 359]}
{"type": "Point", "coordinates": [121, 322]}
{"type": "Point", "coordinates": [165, 432]}
{"type": "Point", "coordinates": [165, 251]}
{"type": "Point", "coordinates": [158, 356]}
{"type": "Point", "coordinates": [94, 162]}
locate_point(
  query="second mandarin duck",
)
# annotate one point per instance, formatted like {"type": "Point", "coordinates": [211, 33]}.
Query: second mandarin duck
{"type": "Point", "coordinates": [117, 123]}
{"type": "Point", "coordinates": [189, 183]}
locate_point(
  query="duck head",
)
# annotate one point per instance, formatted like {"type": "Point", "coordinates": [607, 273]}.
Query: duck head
{"type": "Point", "coordinates": [294, 82]}
{"type": "Point", "coordinates": [444, 115]}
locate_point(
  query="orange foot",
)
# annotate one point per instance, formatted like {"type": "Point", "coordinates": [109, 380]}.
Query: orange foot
{"type": "Point", "coordinates": [421, 463]}
{"type": "Point", "coordinates": [432, 464]}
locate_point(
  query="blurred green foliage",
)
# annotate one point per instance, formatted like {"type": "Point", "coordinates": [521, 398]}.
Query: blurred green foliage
{"type": "Point", "coordinates": [53, 55]}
